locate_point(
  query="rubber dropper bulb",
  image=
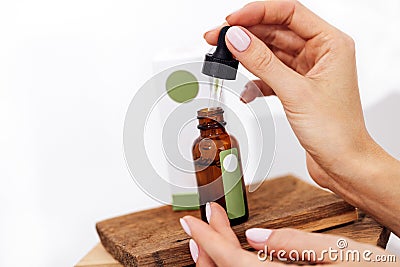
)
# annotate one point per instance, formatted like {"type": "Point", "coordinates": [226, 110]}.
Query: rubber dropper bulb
{"type": "Point", "coordinates": [222, 51]}
{"type": "Point", "coordinates": [221, 63]}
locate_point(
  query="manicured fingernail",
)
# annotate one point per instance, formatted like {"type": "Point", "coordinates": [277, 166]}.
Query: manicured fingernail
{"type": "Point", "coordinates": [258, 235]}
{"type": "Point", "coordinates": [185, 226]}
{"type": "Point", "coordinates": [250, 92]}
{"type": "Point", "coordinates": [194, 250]}
{"type": "Point", "coordinates": [238, 38]}
{"type": "Point", "coordinates": [243, 98]}
{"type": "Point", "coordinates": [244, 95]}
{"type": "Point", "coordinates": [208, 211]}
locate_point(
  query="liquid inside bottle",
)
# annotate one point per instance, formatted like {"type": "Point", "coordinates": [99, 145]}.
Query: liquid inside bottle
{"type": "Point", "coordinates": [218, 167]}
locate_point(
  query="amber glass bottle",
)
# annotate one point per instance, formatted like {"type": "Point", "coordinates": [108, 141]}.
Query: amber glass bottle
{"type": "Point", "coordinates": [218, 167]}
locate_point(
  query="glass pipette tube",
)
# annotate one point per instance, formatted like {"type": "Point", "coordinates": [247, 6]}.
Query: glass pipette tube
{"type": "Point", "coordinates": [216, 85]}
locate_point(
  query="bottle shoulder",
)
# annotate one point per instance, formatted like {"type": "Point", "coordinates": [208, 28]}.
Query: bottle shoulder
{"type": "Point", "coordinates": [221, 142]}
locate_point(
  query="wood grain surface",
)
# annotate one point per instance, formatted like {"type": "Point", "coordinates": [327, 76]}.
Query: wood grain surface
{"type": "Point", "coordinates": [365, 230]}
{"type": "Point", "coordinates": [154, 237]}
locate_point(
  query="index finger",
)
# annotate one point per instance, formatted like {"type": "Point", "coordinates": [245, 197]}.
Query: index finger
{"type": "Point", "coordinates": [221, 251]}
{"type": "Point", "coordinates": [212, 242]}
{"type": "Point", "coordinates": [294, 15]}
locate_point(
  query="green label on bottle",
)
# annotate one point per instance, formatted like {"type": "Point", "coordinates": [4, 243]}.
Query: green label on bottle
{"type": "Point", "coordinates": [232, 180]}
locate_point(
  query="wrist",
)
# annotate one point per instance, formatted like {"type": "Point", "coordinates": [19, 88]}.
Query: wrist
{"type": "Point", "coordinates": [354, 172]}
{"type": "Point", "coordinates": [370, 181]}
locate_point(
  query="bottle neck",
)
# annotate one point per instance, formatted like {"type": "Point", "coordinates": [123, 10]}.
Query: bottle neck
{"type": "Point", "coordinates": [211, 122]}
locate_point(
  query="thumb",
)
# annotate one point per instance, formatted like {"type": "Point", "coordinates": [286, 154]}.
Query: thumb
{"type": "Point", "coordinates": [261, 61]}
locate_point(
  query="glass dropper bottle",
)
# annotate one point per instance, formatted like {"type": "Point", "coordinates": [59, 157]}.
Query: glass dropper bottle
{"type": "Point", "coordinates": [215, 152]}
{"type": "Point", "coordinates": [220, 66]}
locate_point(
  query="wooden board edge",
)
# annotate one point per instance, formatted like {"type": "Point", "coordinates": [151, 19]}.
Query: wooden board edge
{"type": "Point", "coordinates": [118, 252]}
{"type": "Point", "coordinates": [98, 256]}
{"type": "Point", "coordinates": [325, 223]}
{"type": "Point", "coordinates": [384, 238]}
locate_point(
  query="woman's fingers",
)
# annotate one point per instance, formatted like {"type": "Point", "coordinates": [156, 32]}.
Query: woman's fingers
{"type": "Point", "coordinates": [285, 44]}
{"type": "Point", "coordinates": [311, 245]}
{"type": "Point", "coordinates": [275, 35]}
{"type": "Point", "coordinates": [216, 244]}
{"type": "Point", "coordinates": [199, 256]}
{"type": "Point", "coordinates": [211, 36]}
{"type": "Point", "coordinates": [219, 221]}
{"type": "Point", "coordinates": [290, 13]}
{"type": "Point", "coordinates": [280, 37]}
{"type": "Point", "coordinates": [254, 89]}
{"type": "Point", "coordinates": [261, 61]}
{"type": "Point", "coordinates": [221, 251]}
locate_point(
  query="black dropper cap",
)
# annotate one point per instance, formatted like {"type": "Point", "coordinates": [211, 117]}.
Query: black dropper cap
{"type": "Point", "coordinates": [221, 63]}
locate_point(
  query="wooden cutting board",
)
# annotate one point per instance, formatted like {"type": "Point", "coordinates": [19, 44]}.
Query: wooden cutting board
{"type": "Point", "coordinates": [365, 230]}
{"type": "Point", "coordinates": [155, 238]}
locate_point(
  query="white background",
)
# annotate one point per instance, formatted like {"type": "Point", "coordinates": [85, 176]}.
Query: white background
{"type": "Point", "coordinates": [68, 70]}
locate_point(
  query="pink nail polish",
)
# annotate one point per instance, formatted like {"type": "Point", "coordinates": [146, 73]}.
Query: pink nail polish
{"type": "Point", "coordinates": [238, 38]}
{"type": "Point", "coordinates": [185, 226]}
{"type": "Point", "coordinates": [258, 235]}
{"type": "Point", "coordinates": [194, 250]}
{"type": "Point", "coordinates": [208, 211]}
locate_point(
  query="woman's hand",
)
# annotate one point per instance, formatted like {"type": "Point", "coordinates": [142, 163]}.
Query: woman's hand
{"type": "Point", "coordinates": [217, 245]}
{"type": "Point", "coordinates": [310, 66]}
